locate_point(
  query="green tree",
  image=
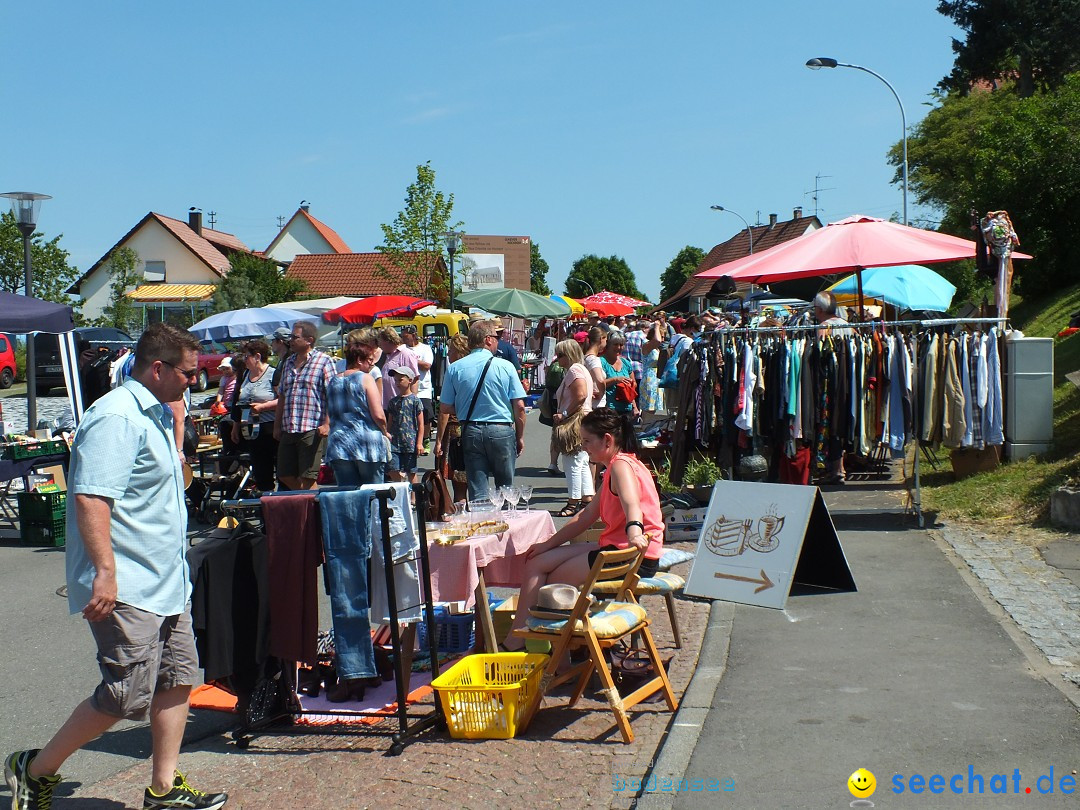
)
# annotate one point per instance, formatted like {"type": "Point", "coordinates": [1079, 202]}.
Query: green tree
{"type": "Point", "coordinates": [602, 273]}
{"type": "Point", "coordinates": [255, 282]}
{"type": "Point", "coordinates": [538, 270]}
{"type": "Point", "coordinates": [1034, 41]}
{"type": "Point", "coordinates": [996, 150]}
{"type": "Point", "coordinates": [414, 241]}
{"type": "Point", "coordinates": [121, 311]}
{"type": "Point", "coordinates": [49, 262]}
{"type": "Point", "coordinates": [681, 268]}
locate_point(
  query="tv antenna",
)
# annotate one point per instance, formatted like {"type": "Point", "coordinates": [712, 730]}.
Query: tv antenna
{"type": "Point", "coordinates": [816, 191]}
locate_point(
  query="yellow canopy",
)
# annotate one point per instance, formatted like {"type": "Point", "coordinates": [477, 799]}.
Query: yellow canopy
{"type": "Point", "coordinates": [164, 293]}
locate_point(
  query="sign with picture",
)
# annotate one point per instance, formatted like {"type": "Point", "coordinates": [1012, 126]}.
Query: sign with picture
{"type": "Point", "coordinates": [759, 542]}
{"type": "Point", "coordinates": [483, 271]}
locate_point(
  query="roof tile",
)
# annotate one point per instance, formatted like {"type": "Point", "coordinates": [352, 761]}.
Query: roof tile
{"type": "Point", "coordinates": [358, 274]}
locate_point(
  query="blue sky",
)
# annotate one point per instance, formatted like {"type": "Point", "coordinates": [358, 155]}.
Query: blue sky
{"type": "Point", "coordinates": [599, 127]}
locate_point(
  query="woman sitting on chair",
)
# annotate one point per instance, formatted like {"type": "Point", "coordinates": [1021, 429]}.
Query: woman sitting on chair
{"type": "Point", "coordinates": [628, 505]}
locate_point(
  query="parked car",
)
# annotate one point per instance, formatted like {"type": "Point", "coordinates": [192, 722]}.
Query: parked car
{"type": "Point", "coordinates": [50, 371]}
{"type": "Point", "coordinates": [7, 361]}
{"type": "Point", "coordinates": [210, 357]}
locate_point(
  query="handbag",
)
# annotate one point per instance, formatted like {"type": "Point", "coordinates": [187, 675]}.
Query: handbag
{"type": "Point", "coordinates": [631, 668]}
{"type": "Point", "coordinates": [455, 450]}
{"type": "Point", "coordinates": [439, 500]}
{"type": "Point", "coordinates": [566, 435]}
{"type": "Point", "coordinates": [546, 408]}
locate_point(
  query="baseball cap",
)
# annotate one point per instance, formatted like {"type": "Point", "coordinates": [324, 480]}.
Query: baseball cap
{"type": "Point", "coordinates": [225, 363]}
{"type": "Point", "coordinates": [408, 329]}
{"type": "Point", "coordinates": [404, 371]}
{"type": "Point", "coordinates": [281, 333]}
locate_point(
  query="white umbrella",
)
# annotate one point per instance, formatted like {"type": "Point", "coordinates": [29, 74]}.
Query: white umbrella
{"type": "Point", "coordinates": [246, 323]}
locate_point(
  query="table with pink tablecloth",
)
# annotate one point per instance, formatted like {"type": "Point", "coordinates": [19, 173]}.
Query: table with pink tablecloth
{"type": "Point", "coordinates": [455, 570]}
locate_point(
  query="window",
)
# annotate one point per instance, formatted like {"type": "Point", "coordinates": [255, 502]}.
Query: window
{"type": "Point", "coordinates": [155, 271]}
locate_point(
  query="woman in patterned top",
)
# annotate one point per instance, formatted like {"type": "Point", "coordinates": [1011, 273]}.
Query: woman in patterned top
{"type": "Point", "coordinates": [359, 445]}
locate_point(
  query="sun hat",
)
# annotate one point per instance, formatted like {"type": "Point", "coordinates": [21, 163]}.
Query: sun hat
{"type": "Point", "coordinates": [555, 601]}
{"type": "Point", "coordinates": [498, 324]}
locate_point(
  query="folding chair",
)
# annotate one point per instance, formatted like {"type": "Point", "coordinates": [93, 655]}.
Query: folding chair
{"type": "Point", "coordinates": [598, 627]}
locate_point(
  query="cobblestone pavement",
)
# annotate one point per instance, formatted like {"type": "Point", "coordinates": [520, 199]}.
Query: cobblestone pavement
{"type": "Point", "coordinates": [566, 757]}
{"type": "Point", "coordinates": [1044, 603]}
{"type": "Point", "coordinates": [48, 408]}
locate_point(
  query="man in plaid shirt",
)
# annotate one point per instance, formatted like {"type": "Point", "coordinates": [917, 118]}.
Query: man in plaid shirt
{"type": "Point", "coordinates": [302, 423]}
{"type": "Point", "coordinates": [635, 339]}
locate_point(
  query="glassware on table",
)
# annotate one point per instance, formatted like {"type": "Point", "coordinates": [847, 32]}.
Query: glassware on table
{"type": "Point", "coordinates": [512, 494]}
{"type": "Point", "coordinates": [497, 498]}
{"type": "Point", "coordinates": [526, 494]}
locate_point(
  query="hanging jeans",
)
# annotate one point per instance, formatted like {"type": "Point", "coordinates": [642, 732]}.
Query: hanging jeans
{"type": "Point", "coordinates": [348, 548]}
{"type": "Point", "coordinates": [579, 478]}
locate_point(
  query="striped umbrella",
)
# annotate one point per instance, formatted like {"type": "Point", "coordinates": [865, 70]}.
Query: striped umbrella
{"type": "Point", "coordinates": [575, 306]}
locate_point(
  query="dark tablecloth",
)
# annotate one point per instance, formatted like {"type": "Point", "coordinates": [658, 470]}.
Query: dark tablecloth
{"type": "Point", "coordinates": [19, 468]}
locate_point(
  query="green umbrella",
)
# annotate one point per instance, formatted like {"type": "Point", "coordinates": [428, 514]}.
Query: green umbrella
{"type": "Point", "coordinates": [517, 303]}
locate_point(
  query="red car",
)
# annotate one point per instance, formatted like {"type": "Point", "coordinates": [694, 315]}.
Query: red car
{"type": "Point", "coordinates": [7, 361]}
{"type": "Point", "coordinates": [210, 357]}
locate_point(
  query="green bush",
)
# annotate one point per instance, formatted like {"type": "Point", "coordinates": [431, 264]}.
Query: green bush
{"type": "Point", "coordinates": [20, 361]}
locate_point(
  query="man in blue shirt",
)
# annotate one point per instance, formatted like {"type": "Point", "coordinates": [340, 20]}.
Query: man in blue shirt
{"type": "Point", "coordinates": [127, 574]}
{"type": "Point", "coordinates": [486, 394]}
{"type": "Point", "coordinates": [506, 349]}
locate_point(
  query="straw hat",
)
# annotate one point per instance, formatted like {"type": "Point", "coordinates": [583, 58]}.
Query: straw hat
{"type": "Point", "coordinates": [555, 601]}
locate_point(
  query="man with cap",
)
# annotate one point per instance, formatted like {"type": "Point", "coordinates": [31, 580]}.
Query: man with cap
{"type": "Point", "coordinates": [485, 393]}
{"type": "Point", "coordinates": [279, 344]}
{"type": "Point", "coordinates": [425, 357]}
{"type": "Point", "coordinates": [506, 349]}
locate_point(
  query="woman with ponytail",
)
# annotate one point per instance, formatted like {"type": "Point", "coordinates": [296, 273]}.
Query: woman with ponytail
{"type": "Point", "coordinates": [627, 503]}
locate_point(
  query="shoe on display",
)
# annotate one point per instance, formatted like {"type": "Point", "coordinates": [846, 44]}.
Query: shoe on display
{"type": "Point", "coordinates": [28, 793]}
{"type": "Point", "coordinates": [183, 795]}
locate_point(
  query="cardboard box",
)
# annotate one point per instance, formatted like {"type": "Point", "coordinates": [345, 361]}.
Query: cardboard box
{"type": "Point", "coordinates": [967, 461]}
{"type": "Point", "coordinates": [502, 616]}
{"type": "Point", "coordinates": [687, 516]}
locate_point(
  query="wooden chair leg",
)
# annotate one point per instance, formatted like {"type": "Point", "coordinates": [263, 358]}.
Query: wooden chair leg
{"type": "Point", "coordinates": [654, 656]}
{"type": "Point", "coordinates": [669, 597]}
{"type": "Point", "coordinates": [609, 690]}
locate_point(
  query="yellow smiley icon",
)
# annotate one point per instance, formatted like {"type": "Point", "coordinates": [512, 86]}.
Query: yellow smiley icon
{"type": "Point", "coordinates": [862, 784]}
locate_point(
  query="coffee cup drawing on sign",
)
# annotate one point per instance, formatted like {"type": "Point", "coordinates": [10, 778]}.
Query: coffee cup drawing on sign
{"type": "Point", "coordinates": [769, 527]}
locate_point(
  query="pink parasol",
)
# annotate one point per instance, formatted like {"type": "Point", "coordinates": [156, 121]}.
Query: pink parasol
{"type": "Point", "coordinates": [367, 310]}
{"type": "Point", "coordinates": [847, 246]}
{"type": "Point", "coordinates": [608, 297]}
{"type": "Point", "coordinates": [605, 308]}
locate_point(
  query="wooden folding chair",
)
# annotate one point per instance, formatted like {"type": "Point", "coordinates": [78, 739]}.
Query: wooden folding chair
{"type": "Point", "coordinates": [598, 627]}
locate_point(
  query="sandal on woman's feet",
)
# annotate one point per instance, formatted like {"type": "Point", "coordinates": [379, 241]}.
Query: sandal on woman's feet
{"type": "Point", "coordinates": [571, 509]}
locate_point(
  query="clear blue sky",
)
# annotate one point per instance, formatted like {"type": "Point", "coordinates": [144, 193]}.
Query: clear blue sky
{"type": "Point", "coordinates": [599, 127]}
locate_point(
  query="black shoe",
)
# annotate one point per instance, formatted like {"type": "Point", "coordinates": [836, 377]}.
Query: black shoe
{"type": "Point", "coordinates": [28, 793]}
{"type": "Point", "coordinates": [183, 795]}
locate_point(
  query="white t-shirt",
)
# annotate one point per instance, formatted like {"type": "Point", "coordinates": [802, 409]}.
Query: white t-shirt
{"type": "Point", "coordinates": [424, 354]}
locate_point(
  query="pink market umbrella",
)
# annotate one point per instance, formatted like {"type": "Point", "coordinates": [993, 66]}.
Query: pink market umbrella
{"type": "Point", "coordinates": [366, 310]}
{"type": "Point", "coordinates": [847, 246]}
{"type": "Point", "coordinates": [608, 297]}
{"type": "Point", "coordinates": [603, 309]}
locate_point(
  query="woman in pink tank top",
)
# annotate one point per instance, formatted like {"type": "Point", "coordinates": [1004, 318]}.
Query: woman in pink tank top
{"type": "Point", "coordinates": [628, 504]}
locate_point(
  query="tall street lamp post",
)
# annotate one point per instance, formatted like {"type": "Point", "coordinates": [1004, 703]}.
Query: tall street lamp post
{"type": "Point", "coordinates": [587, 284]}
{"type": "Point", "coordinates": [25, 206]}
{"type": "Point", "coordinates": [826, 62]}
{"type": "Point", "coordinates": [749, 230]}
{"type": "Point", "coordinates": [453, 244]}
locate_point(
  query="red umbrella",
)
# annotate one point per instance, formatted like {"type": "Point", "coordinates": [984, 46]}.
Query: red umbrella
{"type": "Point", "coordinates": [371, 309]}
{"type": "Point", "coordinates": [847, 246]}
{"type": "Point", "coordinates": [608, 297]}
{"type": "Point", "coordinates": [605, 308]}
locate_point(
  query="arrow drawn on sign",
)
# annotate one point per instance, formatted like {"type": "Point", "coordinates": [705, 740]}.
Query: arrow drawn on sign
{"type": "Point", "coordinates": [763, 583]}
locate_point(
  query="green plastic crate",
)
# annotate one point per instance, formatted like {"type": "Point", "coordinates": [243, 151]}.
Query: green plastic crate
{"type": "Point", "coordinates": [42, 507]}
{"type": "Point", "coordinates": [16, 452]}
{"type": "Point", "coordinates": [44, 533]}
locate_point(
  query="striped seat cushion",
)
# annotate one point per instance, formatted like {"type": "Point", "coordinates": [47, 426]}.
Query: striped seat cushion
{"type": "Point", "coordinates": [663, 582]}
{"type": "Point", "coordinates": [610, 620]}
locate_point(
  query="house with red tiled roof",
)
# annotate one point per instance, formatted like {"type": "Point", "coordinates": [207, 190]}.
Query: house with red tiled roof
{"type": "Point", "coordinates": [180, 263]}
{"type": "Point", "coordinates": [362, 274]}
{"type": "Point", "coordinates": [692, 296]}
{"type": "Point", "coordinates": [304, 234]}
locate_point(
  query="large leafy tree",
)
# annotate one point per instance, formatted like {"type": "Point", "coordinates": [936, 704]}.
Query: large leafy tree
{"type": "Point", "coordinates": [255, 282]}
{"type": "Point", "coordinates": [413, 242]}
{"type": "Point", "coordinates": [679, 270]}
{"type": "Point", "coordinates": [121, 311]}
{"type": "Point", "coordinates": [49, 263]}
{"type": "Point", "coordinates": [538, 270]}
{"type": "Point", "coordinates": [996, 150]}
{"type": "Point", "coordinates": [602, 273]}
{"type": "Point", "coordinates": [1037, 42]}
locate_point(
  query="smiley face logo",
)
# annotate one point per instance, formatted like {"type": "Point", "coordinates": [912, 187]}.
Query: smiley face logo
{"type": "Point", "coordinates": [862, 784]}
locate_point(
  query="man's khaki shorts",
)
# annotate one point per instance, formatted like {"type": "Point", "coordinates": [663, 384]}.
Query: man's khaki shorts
{"type": "Point", "coordinates": [300, 454]}
{"type": "Point", "coordinates": [139, 653]}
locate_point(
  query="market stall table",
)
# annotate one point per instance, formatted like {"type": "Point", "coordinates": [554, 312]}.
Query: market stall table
{"type": "Point", "coordinates": [464, 571]}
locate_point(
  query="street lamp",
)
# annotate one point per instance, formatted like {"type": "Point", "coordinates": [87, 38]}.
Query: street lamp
{"type": "Point", "coordinates": [453, 244]}
{"type": "Point", "coordinates": [826, 62]}
{"type": "Point", "coordinates": [749, 230]}
{"type": "Point", "coordinates": [25, 206]}
{"type": "Point", "coordinates": [587, 284]}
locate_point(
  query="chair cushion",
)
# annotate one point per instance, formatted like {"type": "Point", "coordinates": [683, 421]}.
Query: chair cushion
{"type": "Point", "coordinates": [663, 582]}
{"type": "Point", "coordinates": [609, 620]}
{"type": "Point", "coordinates": [673, 556]}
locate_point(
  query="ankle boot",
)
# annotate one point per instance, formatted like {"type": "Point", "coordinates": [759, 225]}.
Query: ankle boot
{"type": "Point", "coordinates": [349, 689]}
{"type": "Point", "coordinates": [309, 682]}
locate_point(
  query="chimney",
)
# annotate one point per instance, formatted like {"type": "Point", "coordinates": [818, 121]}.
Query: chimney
{"type": "Point", "coordinates": [305, 205]}
{"type": "Point", "coordinates": [194, 219]}
{"type": "Point", "coordinates": [772, 220]}
{"type": "Point", "coordinates": [798, 213]}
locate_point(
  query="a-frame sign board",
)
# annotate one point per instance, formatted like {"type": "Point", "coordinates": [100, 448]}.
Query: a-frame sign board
{"type": "Point", "coordinates": [761, 542]}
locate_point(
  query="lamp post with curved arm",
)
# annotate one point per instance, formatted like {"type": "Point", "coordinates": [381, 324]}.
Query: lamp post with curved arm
{"type": "Point", "coordinates": [826, 62]}
{"type": "Point", "coordinates": [587, 284]}
{"type": "Point", "coordinates": [749, 230]}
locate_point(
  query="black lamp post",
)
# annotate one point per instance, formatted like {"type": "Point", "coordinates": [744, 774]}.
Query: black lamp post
{"type": "Point", "coordinates": [453, 244]}
{"type": "Point", "coordinates": [25, 205]}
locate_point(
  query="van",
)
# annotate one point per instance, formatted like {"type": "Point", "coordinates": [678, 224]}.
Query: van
{"type": "Point", "coordinates": [50, 372]}
{"type": "Point", "coordinates": [442, 323]}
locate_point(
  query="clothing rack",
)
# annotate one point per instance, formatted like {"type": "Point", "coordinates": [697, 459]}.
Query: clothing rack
{"type": "Point", "coordinates": [420, 722]}
{"type": "Point", "coordinates": [918, 325]}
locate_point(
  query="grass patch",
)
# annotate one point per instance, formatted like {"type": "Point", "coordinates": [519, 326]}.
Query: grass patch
{"type": "Point", "coordinates": [1019, 492]}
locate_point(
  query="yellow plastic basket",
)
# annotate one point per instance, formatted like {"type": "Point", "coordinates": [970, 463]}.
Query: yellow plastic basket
{"type": "Point", "coordinates": [483, 697]}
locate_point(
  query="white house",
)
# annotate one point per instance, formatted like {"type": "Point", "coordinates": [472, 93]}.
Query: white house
{"type": "Point", "coordinates": [302, 235]}
{"type": "Point", "coordinates": [179, 262]}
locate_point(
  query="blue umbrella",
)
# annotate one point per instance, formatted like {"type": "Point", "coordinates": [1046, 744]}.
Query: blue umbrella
{"type": "Point", "coordinates": [242, 323]}
{"type": "Point", "coordinates": [905, 286]}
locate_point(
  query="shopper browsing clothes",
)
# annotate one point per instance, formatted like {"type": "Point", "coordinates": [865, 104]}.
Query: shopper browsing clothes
{"type": "Point", "coordinates": [127, 574]}
{"type": "Point", "coordinates": [405, 416]}
{"type": "Point", "coordinates": [253, 414]}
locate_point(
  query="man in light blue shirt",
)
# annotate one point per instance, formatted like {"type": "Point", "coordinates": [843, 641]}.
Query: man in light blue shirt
{"type": "Point", "coordinates": [486, 394]}
{"type": "Point", "coordinates": [127, 574]}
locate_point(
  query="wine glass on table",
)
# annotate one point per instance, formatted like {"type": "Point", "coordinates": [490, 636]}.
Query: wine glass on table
{"type": "Point", "coordinates": [497, 498]}
{"type": "Point", "coordinates": [526, 494]}
{"type": "Point", "coordinates": [511, 494]}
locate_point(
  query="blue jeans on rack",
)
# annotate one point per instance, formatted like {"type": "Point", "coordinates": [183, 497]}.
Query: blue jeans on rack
{"type": "Point", "coordinates": [348, 549]}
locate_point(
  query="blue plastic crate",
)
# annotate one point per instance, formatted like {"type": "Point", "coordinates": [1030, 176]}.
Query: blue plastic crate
{"type": "Point", "coordinates": [454, 633]}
